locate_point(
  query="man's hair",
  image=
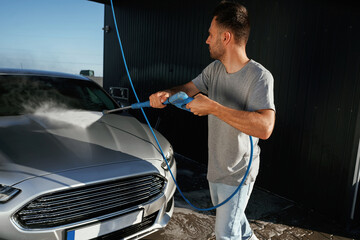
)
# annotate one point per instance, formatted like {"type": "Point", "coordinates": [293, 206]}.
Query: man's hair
{"type": "Point", "coordinates": [233, 16]}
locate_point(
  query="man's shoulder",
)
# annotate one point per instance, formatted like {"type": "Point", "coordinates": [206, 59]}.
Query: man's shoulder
{"type": "Point", "coordinates": [215, 65]}
{"type": "Point", "coordinates": [214, 68]}
{"type": "Point", "coordinates": [257, 67]}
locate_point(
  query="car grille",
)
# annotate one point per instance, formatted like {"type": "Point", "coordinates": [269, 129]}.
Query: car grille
{"type": "Point", "coordinates": [83, 203]}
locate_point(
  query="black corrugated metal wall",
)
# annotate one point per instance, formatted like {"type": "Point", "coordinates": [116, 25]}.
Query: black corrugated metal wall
{"type": "Point", "coordinates": [164, 47]}
{"type": "Point", "coordinates": [311, 48]}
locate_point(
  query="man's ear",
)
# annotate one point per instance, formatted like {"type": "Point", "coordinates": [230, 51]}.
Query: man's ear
{"type": "Point", "coordinates": [227, 36]}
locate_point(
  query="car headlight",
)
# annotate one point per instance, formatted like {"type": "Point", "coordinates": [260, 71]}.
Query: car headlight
{"type": "Point", "coordinates": [7, 193]}
{"type": "Point", "coordinates": [169, 155]}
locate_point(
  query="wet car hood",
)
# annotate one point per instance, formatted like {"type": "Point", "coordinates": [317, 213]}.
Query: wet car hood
{"type": "Point", "coordinates": [32, 146]}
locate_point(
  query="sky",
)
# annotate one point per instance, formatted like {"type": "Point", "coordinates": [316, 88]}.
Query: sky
{"type": "Point", "coordinates": [55, 35]}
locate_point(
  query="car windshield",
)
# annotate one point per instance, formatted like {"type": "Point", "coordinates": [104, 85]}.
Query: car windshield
{"type": "Point", "coordinates": [22, 94]}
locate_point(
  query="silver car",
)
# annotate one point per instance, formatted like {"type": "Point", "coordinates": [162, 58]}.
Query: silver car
{"type": "Point", "coordinates": [69, 172]}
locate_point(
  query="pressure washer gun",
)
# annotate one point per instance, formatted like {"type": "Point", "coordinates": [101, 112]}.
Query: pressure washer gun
{"type": "Point", "coordinates": [179, 100]}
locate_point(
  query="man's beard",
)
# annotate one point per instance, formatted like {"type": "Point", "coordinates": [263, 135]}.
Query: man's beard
{"type": "Point", "coordinates": [216, 53]}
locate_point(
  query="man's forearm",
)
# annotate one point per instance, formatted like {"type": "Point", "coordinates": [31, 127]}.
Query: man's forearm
{"type": "Point", "coordinates": [189, 88]}
{"type": "Point", "coordinates": [258, 124]}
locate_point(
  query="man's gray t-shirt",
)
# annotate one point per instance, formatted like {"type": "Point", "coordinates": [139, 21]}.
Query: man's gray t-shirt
{"type": "Point", "coordinates": [249, 89]}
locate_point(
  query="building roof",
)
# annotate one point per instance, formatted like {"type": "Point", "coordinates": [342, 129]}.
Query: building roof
{"type": "Point", "coordinates": [101, 1]}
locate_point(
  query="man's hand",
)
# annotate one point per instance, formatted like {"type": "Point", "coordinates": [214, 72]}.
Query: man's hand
{"type": "Point", "coordinates": [157, 99]}
{"type": "Point", "coordinates": [202, 105]}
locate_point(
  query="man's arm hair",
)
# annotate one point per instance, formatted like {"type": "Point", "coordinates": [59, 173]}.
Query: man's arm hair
{"type": "Point", "coordinates": [189, 88]}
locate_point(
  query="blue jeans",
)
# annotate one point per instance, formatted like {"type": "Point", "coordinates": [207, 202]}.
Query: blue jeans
{"type": "Point", "coordinates": [231, 222]}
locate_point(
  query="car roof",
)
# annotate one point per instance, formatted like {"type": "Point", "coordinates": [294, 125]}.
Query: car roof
{"type": "Point", "coordinates": [15, 71]}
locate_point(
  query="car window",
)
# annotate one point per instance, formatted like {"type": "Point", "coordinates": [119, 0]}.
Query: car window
{"type": "Point", "coordinates": [22, 94]}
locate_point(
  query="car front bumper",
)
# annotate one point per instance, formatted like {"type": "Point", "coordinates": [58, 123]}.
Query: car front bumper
{"type": "Point", "coordinates": [156, 213]}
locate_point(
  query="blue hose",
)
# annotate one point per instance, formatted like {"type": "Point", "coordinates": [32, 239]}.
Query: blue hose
{"type": "Point", "coordinates": [157, 142]}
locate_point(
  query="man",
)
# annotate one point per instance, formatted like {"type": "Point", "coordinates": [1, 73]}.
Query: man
{"type": "Point", "coordinates": [239, 102]}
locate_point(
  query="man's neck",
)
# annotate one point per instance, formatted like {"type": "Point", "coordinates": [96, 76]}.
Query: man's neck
{"type": "Point", "coordinates": [235, 59]}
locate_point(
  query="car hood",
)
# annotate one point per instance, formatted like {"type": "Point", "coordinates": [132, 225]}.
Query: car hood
{"type": "Point", "coordinates": [32, 145]}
